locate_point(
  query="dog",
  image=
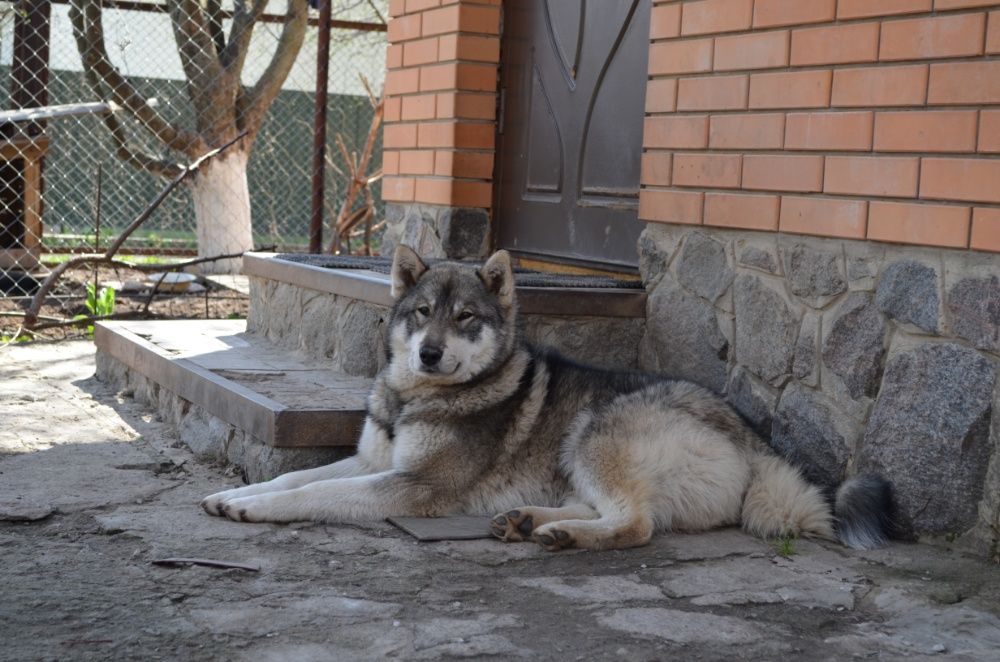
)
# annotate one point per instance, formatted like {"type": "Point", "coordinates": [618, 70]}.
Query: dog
{"type": "Point", "coordinates": [468, 418]}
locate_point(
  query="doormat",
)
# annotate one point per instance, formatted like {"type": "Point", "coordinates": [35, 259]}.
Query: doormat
{"type": "Point", "coordinates": [456, 527]}
{"type": "Point", "coordinates": [522, 277]}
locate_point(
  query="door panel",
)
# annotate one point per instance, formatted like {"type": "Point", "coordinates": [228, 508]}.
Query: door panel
{"type": "Point", "coordinates": [574, 80]}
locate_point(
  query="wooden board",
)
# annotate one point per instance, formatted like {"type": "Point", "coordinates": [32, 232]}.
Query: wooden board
{"type": "Point", "coordinates": [456, 527]}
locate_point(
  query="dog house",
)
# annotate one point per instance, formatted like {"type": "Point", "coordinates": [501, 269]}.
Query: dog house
{"type": "Point", "coordinates": [21, 200]}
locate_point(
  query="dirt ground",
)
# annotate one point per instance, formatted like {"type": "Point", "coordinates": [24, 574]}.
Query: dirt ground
{"type": "Point", "coordinates": [93, 489]}
{"type": "Point", "coordinates": [68, 298]}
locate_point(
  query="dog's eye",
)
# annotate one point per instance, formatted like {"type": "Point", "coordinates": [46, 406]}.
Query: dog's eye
{"type": "Point", "coordinates": [464, 315]}
{"type": "Point", "coordinates": [424, 311]}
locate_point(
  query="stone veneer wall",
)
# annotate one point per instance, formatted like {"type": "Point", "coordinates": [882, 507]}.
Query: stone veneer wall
{"type": "Point", "coordinates": [850, 356]}
{"type": "Point", "coordinates": [348, 334]}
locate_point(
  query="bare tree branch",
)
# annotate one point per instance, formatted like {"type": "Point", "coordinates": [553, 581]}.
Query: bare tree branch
{"type": "Point", "coordinates": [215, 15]}
{"type": "Point", "coordinates": [88, 29]}
{"type": "Point", "coordinates": [240, 33]}
{"type": "Point", "coordinates": [250, 113]}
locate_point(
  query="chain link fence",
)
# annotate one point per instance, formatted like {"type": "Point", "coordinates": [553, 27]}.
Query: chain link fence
{"type": "Point", "coordinates": [118, 114]}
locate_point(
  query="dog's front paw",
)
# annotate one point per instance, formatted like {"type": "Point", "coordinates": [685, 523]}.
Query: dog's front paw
{"type": "Point", "coordinates": [258, 508]}
{"type": "Point", "coordinates": [213, 503]}
{"type": "Point", "coordinates": [512, 526]}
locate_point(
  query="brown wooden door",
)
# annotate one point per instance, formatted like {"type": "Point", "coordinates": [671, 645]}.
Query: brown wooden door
{"type": "Point", "coordinates": [570, 136]}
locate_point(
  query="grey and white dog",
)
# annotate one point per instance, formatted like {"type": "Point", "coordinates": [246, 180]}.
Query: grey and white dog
{"type": "Point", "coordinates": [468, 418]}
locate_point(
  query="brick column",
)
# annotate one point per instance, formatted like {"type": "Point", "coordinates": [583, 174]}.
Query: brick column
{"type": "Point", "coordinates": [440, 125]}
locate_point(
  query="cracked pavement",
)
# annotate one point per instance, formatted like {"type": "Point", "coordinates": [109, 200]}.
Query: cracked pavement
{"type": "Point", "coordinates": [93, 488]}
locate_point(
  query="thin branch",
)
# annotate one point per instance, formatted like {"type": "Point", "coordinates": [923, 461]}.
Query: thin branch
{"type": "Point", "coordinates": [88, 30]}
{"type": "Point", "coordinates": [211, 93]}
{"type": "Point", "coordinates": [254, 104]}
{"type": "Point", "coordinates": [234, 54]}
{"type": "Point", "coordinates": [56, 274]}
{"type": "Point", "coordinates": [214, 16]}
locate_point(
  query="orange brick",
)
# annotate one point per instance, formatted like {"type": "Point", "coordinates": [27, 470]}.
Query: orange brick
{"type": "Point", "coordinates": [397, 8]}
{"type": "Point", "coordinates": [834, 131]}
{"type": "Point", "coordinates": [942, 36]}
{"type": "Point", "coordinates": [477, 165]}
{"type": "Point", "coordinates": [880, 86]}
{"type": "Point", "coordinates": [993, 33]}
{"type": "Point", "coordinates": [976, 180]}
{"type": "Point", "coordinates": [460, 76]}
{"type": "Point", "coordinates": [985, 229]}
{"type": "Point", "coordinates": [420, 5]}
{"type": "Point", "coordinates": [393, 109]}
{"type": "Point", "coordinates": [961, 4]}
{"type": "Point", "coordinates": [398, 189]}
{"type": "Point", "coordinates": [872, 175]}
{"type": "Point", "coordinates": [402, 81]}
{"type": "Point", "coordinates": [661, 95]}
{"type": "Point", "coordinates": [670, 206]}
{"type": "Point", "coordinates": [989, 131]}
{"type": "Point", "coordinates": [783, 173]}
{"type": "Point", "coordinates": [964, 83]}
{"type": "Point", "coordinates": [751, 51]}
{"type": "Point", "coordinates": [794, 89]}
{"type": "Point", "coordinates": [679, 57]}
{"type": "Point", "coordinates": [712, 93]}
{"type": "Point", "coordinates": [420, 51]}
{"type": "Point", "coordinates": [416, 162]}
{"type": "Point", "coordinates": [461, 18]}
{"type": "Point", "coordinates": [655, 169]}
{"type": "Point", "coordinates": [707, 170]}
{"type": "Point", "coordinates": [450, 134]}
{"type": "Point", "coordinates": [468, 47]}
{"type": "Point", "coordinates": [685, 132]}
{"type": "Point", "coordinates": [910, 223]}
{"type": "Point", "coordinates": [390, 162]}
{"type": "Point", "coordinates": [866, 8]}
{"type": "Point", "coordinates": [825, 217]}
{"type": "Point", "coordinates": [747, 131]}
{"type": "Point", "coordinates": [420, 107]}
{"type": "Point", "coordinates": [926, 131]}
{"type": "Point", "coordinates": [403, 28]}
{"type": "Point", "coordinates": [839, 44]}
{"type": "Point", "coordinates": [458, 193]}
{"type": "Point", "coordinates": [437, 134]}
{"type": "Point", "coordinates": [711, 16]}
{"type": "Point", "coordinates": [394, 56]}
{"type": "Point", "coordinates": [466, 106]}
{"type": "Point", "coordinates": [771, 13]}
{"type": "Point", "coordinates": [665, 21]}
{"type": "Point", "coordinates": [741, 210]}
{"type": "Point", "coordinates": [399, 136]}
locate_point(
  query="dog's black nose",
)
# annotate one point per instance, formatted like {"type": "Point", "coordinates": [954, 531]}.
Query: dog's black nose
{"type": "Point", "coordinates": [430, 355]}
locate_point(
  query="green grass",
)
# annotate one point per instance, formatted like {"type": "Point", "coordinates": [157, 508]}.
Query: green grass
{"type": "Point", "coordinates": [784, 546]}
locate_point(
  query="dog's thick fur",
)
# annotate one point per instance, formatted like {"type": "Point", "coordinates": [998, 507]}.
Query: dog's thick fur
{"type": "Point", "coordinates": [467, 418]}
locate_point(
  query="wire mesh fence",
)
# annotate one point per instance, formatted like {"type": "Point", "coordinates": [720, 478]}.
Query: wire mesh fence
{"type": "Point", "coordinates": [104, 100]}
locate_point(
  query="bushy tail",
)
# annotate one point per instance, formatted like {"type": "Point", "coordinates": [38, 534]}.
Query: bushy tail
{"type": "Point", "coordinates": [780, 502]}
{"type": "Point", "coordinates": [863, 511]}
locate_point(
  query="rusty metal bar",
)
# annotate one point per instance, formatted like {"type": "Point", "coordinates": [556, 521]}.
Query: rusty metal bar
{"type": "Point", "coordinates": [319, 130]}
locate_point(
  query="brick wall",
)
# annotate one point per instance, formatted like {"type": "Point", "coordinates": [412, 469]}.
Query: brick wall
{"type": "Point", "coordinates": [441, 102]}
{"type": "Point", "coordinates": [875, 119]}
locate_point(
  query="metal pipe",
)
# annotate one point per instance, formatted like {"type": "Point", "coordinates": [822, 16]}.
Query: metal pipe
{"type": "Point", "coordinates": [319, 129]}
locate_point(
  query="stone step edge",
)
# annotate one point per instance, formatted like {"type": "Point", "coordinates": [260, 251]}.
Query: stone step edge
{"type": "Point", "coordinates": [272, 422]}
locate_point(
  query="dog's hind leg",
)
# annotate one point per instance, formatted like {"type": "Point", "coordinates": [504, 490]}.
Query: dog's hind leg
{"type": "Point", "coordinates": [615, 532]}
{"type": "Point", "coordinates": [517, 525]}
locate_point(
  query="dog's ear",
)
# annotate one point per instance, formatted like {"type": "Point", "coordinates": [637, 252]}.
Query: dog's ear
{"type": "Point", "coordinates": [498, 277]}
{"type": "Point", "coordinates": [407, 267]}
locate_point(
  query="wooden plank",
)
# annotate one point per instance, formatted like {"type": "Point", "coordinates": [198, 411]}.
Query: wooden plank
{"type": "Point", "coordinates": [456, 527]}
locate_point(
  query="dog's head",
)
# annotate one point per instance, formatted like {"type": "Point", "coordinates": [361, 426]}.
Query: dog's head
{"type": "Point", "coordinates": [450, 323]}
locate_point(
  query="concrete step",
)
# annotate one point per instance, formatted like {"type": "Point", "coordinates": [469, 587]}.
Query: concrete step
{"type": "Point", "coordinates": [284, 400]}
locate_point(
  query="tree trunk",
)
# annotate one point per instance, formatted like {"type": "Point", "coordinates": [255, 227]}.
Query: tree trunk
{"type": "Point", "coordinates": [222, 210]}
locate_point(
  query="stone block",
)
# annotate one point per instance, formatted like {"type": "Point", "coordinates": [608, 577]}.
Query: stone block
{"type": "Point", "coordinates": [754, 400]}
{"type": "Point", "coordinates": [854, 346]}
{"type": "Point", "coordinates": [929, 434]}
{"type": "Point", "coordinates": [766, 330]}
{"type": "Point", "coordinates": [804, 364]}
{"type": "Point", "coordinates": [814, 275]}
{"type": "Point", "coordinates": [657, 245]}
{"type": "Point", "coordinates": [702, 266]}
{"type": "Point", "coordinates": [813, 435]}
{"type": "Point", "coordinates": [974, 309]}
{"type": "Point", "coordinates": [908, 292]}
{"type": "Point", "coordinates": [760, 258]}
{"type": "Point", "coordinates": [683, 333]}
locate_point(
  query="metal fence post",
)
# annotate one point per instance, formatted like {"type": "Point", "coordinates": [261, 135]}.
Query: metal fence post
{"type": "Point", "coordinates": [319, 128]}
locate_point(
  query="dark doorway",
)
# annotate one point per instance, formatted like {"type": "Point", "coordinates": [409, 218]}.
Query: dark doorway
{"type": "Point", "coordinates": [573, 85]}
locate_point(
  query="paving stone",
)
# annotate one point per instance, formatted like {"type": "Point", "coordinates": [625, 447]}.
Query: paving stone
{"type": "Point", "coordinates": [683, 626]}
{"type": "Point", "coordinates": [594, 590]}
